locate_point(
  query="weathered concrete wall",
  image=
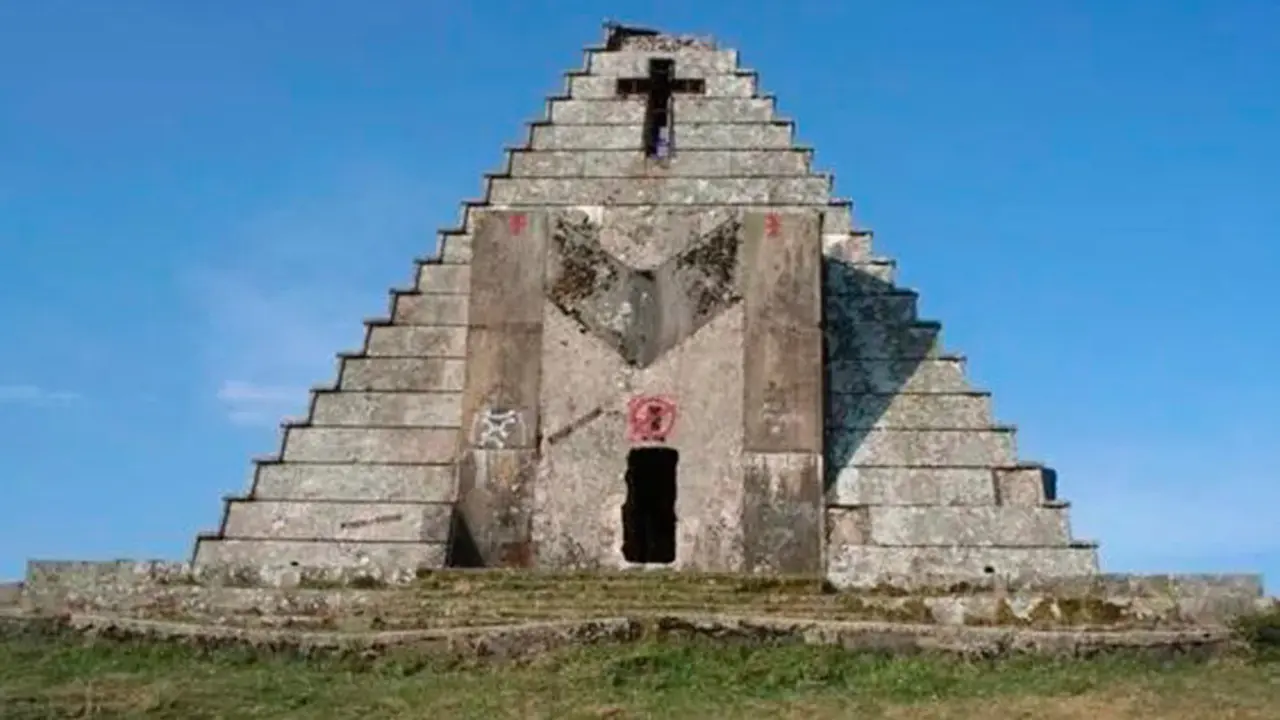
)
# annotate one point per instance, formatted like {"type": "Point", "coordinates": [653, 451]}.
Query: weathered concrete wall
{"type": "Point", "coordinates": [662, 321]}
{"type": "Point", "coordinates": [783, 392]}
{"type": "Point", "coordinates": [500, 404]}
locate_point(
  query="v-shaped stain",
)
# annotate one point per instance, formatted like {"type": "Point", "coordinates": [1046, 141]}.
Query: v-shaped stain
{"type": "Point", "coordinates": [641, 313]}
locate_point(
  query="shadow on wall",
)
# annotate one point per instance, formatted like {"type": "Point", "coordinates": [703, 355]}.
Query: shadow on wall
{"type": "Point", "coordinates": [873, 345]}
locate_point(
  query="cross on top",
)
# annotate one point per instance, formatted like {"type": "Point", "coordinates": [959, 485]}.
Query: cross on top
{"type": "Point", "coordinates": [658, 88]}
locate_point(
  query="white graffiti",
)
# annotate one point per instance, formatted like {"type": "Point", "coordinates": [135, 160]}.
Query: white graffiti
{"type": "Point", "coordinates": [496, 429]}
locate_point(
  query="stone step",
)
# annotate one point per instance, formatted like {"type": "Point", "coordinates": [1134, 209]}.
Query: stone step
{"type": "Point", "coordinates": [936, 526]}
{"type": "Point", "coordinates": [692, 63]}
{"type": "Point", "coordinates": [876, 341]}
{"type": "Point", "coordinates": [337, 520]}
{"type": "Point", "coordinates": [849, 413]}
{"type": "Point", "coordinates": [580, 86]}
{"type": "Point", "coordinates": [429, 309]}
{"type": "Point", "coordinates": [266, 553]}
{"type": "Point", "coordinates": [785, 162]}
{"type": "Point", "coordinates": [942, 374]}
{"type": "Point", "coordinates": [893, 307]}
{"type": "Point", "coordinates": [802, 190]}
{"type": "Point", "coordinates": [363, 482]}
{"type": "Point", "coordinates": [338, 408]}
{"type": "Point", "coordinates": [446, 279]}
{"type": "Point", "coordinates": [911, 486]}
{"type": "Point", "coordinates": [978, 448]}
{"type": "Point", "coordinates": [685, 109]}
{"type": "Point", "coordinates": [691, 136]}
{"type": "Point", "coordinates": [853, 566]}
{"type": "Point", "coordinates": [847, 247]}
{"type": "Point", "coordinates": [402, 374]}
{"type": "Point", "coordinates": [369, 445]}
{"type": "Point", "coordinates": [445, 341]}
{"type": "Point", "coordinates": [452, 599]}
{"type": "Point", "coordinates": [454, 248]}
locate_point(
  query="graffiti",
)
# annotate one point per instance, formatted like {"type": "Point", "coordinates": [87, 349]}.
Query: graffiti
{"type": "Point", "coordinates": [650, 418]}
{"type": "Point", "coordinates": [495, 429]}
{"type": "Point", "coordinates": [772, 224]}
{"type": "Point", "coordinates": [378, 520]}
{"type": "Point", "coordinates": [517, 223]}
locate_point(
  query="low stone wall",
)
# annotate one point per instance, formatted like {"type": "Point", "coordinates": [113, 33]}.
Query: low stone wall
{"type": "Point", "coordinates": [534, 639]}
{"type": "Point", "coordinates": [326, 596]}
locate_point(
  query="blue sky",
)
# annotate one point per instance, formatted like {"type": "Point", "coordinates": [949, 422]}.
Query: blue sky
{"type": "Point", "coordinates": [199, 202]}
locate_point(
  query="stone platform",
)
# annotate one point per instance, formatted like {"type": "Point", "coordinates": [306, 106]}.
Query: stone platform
{"type": "Point", "coordinates": [340, 608]}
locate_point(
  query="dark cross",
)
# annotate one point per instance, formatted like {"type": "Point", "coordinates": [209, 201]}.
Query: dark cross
{"type": "Point", "coordinates": [659, 87]}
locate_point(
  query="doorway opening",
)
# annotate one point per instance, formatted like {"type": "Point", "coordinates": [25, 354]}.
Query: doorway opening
{"type": "Point", "coordinates": [649, 514]}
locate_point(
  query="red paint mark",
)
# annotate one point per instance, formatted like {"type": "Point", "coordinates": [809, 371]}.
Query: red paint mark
{"type": "Point", "coordinates": [517, 223]}
{"type": "Point", "coordinates": [650, 418]}
{"type": "Point", "coordinates": [772, 224]}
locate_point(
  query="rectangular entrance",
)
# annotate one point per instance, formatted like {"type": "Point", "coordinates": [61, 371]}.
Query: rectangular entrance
{"type": "Point", "coordinates": [649, 513]}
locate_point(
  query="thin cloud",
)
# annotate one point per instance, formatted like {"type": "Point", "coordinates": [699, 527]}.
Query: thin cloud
{"type": "Point", "coordinates": [253, 405]}
{"type": "Point", "coordinates": [306, 271]}
{"type": "Point", "coordinates": [36, 396]}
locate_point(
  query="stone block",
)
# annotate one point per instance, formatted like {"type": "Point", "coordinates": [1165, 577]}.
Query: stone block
{"type": "Point", "coordinates": [303, 553]}
{"type": "Point", "coordinates": [883, 376]}
{"type": "Point", "coordinates": [701, 109]}
{"type": "Point", "coordinates": [911, 486]}
{"type": "Point", "coordinates": [1021, 486]}
{"type": "Point", "coordinates": [507, 286]}
{"type": "Point", "coordinates": [687, 64]}
{"type": "Point", "coordinates": [843, 278]}
{"type": "Point", "coordinates": [932, 411]}
{"type": "Point", "coordinates": [853, 566]}
{"type": "Point", "coordinates": [387, 409]}
{"type": "Point", "coordinates": [846, 247]}
{"type": "Point", "coordinates": [710, 136]}
{"type": "Point", "coordinates": [369, 445]}
{"type": "Point", "coordinates": [689, 109]}
{"type": "Point", "coordinates": [429, 309]}
{"type": "Point", "coordinates": [444, 279]}
{"type": "Point", "coordinates": [402, 374]}
{"type": "Point", "coordinates": [495, 504]}
{"type": "Point", "coordinates": [616, 111]}
{"type": "Point", "coordinates": [877, 341]}
{"type": "Point", "coordinates": [597, 87]}
{"type": "Point", "coordinates": [997, 525]}
{"type": "Point", "coordinates": [455, 249]}
{"type": "Point", "coordinates": [895, 308]}
{"type": "Point", "coordinates": [339, 521]}
{"type": "Point", "coordinates": [783, 389]}
{"type": "Point", "coordinates": [931, 448]}
{"type": "Point", "coordinates": [782, 513]}
{"type": "Point", "coordinates": [514, 192]}
{"type": "Point", "coordinates": [504, 372]}
{"type": "Point", "coordinates": [687, 163]}
{"type": "Point", "coordinates": [782, 268]}
{"type": "Point", "coordinates": [417, 341]}
{"type": "Point", "coordinates": [364, 482]}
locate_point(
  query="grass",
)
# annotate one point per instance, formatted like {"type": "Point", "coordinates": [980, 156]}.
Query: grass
{"type": "Point", "coordinates": [61, 678]}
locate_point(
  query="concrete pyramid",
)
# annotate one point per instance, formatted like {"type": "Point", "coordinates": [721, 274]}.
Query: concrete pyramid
{"type": "Point", "coordinates": [656, 340]}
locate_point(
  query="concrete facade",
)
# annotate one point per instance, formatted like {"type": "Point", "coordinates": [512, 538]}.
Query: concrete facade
{"type": "Point", "coordinates": [599, 305]}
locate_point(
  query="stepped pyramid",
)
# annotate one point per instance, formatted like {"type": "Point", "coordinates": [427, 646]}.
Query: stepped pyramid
{"type": "Point", "coordinates": [657, 340]}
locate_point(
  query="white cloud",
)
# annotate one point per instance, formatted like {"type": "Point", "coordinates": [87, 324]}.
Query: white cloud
{"type": "Point", "coordinates": [255, 405]}
{"type": "Point", "coordinates": [35, 396]}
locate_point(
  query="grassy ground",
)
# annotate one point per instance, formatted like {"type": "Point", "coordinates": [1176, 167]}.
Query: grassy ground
{"type": "Point", "coordinates": [44, 678]}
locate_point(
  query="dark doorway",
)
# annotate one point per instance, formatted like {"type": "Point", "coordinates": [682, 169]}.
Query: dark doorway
{"type": "Point", "coordinates": [649, 514]}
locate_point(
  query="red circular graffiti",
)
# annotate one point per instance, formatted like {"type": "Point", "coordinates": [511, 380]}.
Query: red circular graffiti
{"type": "Point", "coordinates": [650, 418]}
